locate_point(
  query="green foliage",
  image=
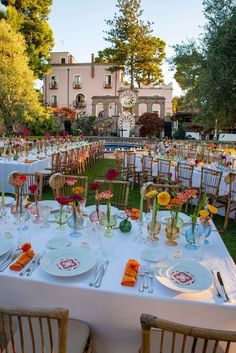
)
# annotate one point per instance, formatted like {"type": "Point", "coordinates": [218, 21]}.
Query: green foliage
{"type": "Point", "coordinates": [45, 123]}
{"type": "Point", "coordinates": [205, 71]}
{"type": "Point", "coordinates": [178, 104]}
{"type": "Point", "coordinates": [29, 17]}
{"type": "Point", "coordinates": [18, 98]}
{"type": "Point", "coordinates": [133, 48]}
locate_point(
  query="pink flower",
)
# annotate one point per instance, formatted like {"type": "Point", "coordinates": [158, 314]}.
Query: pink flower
{"type": "Point", "coordinates": [112, 174]}
{"type": "Point", "coordinates": [106, 194]}
{"type": "Point", "coordinates": [70, 181]}
{"type": "Point", "coordinates": [76, 197]}
{"type": "Point", "coordinates": [33, 188]}
{"type": "Point", "coordinates": [47, 135]}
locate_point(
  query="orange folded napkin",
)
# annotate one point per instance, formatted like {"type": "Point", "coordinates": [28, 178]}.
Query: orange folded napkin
{"type": "Point", "coordinates": [28, 161]}
{"type": "Point", "coordinates": [130, 274]}
{"type": "Point", "coordinates": [24, 258]}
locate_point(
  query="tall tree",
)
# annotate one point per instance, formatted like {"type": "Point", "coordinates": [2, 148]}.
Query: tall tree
{"type": "Point", "coordinates": [207, 71]}
{"type": "Point", "coordinates": [18, 98]}
{"type": "Point", "coordinates": [30, 18]}
{"type": "Point", "coordinates": [133, 47]}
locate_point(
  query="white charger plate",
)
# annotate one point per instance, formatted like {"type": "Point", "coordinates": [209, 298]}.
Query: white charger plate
{"type": "Point", "coordinates": [8, 200]}
{"type": "Point", "coordinates": [89, 209]}
{"type": "Point", "coordinates": [164, 216]}
{"type": "Point", "coordinates": [194, 276]}
{"type": "Point", "coordinates": [68, 262]}
{"type": "Point", "coordinates": [58, 243]}
{"type": "Point", "coordinates": [152, 254]}
{"type": "Point", "coordinates": [5, 245]}
{"type": "Point", "coordinates": [51, 203]}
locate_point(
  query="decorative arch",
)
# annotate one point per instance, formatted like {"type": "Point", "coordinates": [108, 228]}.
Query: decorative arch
{"type": "Point", "coordinates": [112, 109]}
{"type": "Point", "coordinates": [99, 109]}
{"type": "Point", "coordinates": [156, 108]}
{"type": "Point", "coordinates": [142, 108]}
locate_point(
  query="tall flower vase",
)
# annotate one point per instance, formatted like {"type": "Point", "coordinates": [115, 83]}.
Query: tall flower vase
{"type": "Point", "coordinates": [108, 221]}
{"type": "Point", "coordinates": [172, 232]}
{"type": "Point", "coordinates": [153, 227]}
{"type": "Point", "coordinates": [76, 222]}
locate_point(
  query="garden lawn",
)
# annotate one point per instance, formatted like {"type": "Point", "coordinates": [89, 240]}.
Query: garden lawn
{"type": "Point", "coordinates": [98, 171]}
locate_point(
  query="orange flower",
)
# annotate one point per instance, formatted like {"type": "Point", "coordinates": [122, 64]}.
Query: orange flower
{"type": "Point", "coordinates": [135, 212]}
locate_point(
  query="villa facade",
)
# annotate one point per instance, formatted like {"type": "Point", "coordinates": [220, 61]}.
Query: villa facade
{"type": "Point", "coordinates": [91, 89]}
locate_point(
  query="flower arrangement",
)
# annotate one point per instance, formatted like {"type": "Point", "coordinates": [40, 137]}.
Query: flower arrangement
{"type": "Point", "coordinates": [95, 187]}
{"type": "Point", "coordinates": [33, 188]}
{"type": "Point", "coordinates": [63, 201]}
{"type": "Point", "coordinates": [112, 174]}
{"type": "Point", "coordinates": [19, 182]}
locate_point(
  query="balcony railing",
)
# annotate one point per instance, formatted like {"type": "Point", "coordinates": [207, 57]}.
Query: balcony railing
{"type": "Point", "coordinates": [53, 85]}
{"type": "Point", "coordinates": [107, 85]}
{"type": "Point", "coordinates": [79, 105]}
{"type": "Point", "coordinates": [77, 85]}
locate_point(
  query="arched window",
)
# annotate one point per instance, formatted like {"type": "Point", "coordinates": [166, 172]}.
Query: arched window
{"type": "Point", "coordinates": [80, 98]}
{"type": "Point", "coordinates": [63, 60]}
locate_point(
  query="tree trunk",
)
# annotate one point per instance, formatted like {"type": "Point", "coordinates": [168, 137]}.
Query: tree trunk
{"type": "Point", "coordinates": [132, 72]}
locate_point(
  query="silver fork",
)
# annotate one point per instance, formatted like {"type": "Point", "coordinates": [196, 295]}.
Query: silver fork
{"type": "Point", "coordinates": [147, 270]}
{"type": "Point", "coordinates": [12, 258]}
{"type": "Point", "coordinates": [141, 275]}
{"type": "Point", "coordinates": [98, 269]}
{"type": "Point", "coordinates": [150, 277]}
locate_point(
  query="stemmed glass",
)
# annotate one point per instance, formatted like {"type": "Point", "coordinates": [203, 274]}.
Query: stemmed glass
{"type": "Point", "coordinates": [44, 212]}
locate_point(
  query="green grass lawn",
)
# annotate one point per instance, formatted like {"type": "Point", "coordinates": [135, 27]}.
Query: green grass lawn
{"type": "Point", "coordinates": [98, 172]}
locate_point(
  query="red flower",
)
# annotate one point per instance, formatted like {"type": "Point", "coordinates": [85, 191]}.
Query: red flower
{"type": "Point", "coordinates": [76, 197]}
{"type": "Point", "coordinates": [33, 188]}
{"type": "Point", "coordinates": [94, 186]}
{"type": "Point", "coordinates": [47, 135]}
{"type": "Point", "coordinates": [22, 178]}
{"type": "Point", "coordinates": [111, 174]}
{"type": "Point", "coordinates": [63, 200]}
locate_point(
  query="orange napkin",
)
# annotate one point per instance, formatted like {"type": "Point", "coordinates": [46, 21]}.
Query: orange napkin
{"type": "Point", "coordinates": [22, 260]}
{"type": "Point", "coordinates": [28, 161]}
{"type": "Point", "coordinates": [130, 273]}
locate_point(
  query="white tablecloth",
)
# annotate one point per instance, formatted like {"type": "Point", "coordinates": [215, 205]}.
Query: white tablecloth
{"type": "Point", "coordinates": [7, 167]}
{"type": "Point", "coordinates": [113, 310]}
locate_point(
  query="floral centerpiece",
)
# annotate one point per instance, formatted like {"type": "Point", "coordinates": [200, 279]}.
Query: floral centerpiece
{"type": "Point", "coordinates": [108, 220]}
{"type": "Point", "coordinates": [97, 214]}
{"type": "Point", "coordinates": [19, 183]}
{"type": "Point", "coordinates": [33, 188]}
{"type": "Point", "coordinates": [61, 217]}
{"type": "Point", "coordinates": [75, 221]}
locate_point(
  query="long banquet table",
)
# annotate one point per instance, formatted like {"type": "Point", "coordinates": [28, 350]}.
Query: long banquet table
{"type": "Point", "coordinates": [113, 310]}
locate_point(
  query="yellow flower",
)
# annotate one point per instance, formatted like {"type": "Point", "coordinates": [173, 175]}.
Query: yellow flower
{"type": "Point", "coordinates": [151, 194]}
{"type": "Point", "coordinates": [212, 209]}
{"type": "Point", "coordinates": [78, 190]}
{"type": "Point", "coordinates": [163, 198]}
{"type": "Point", "coordinates": [204, 213]}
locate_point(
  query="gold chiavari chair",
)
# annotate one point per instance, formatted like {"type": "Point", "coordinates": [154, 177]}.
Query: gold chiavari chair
{"type": "Point", "coordinates": [210, 183]}
{"type": "Point", "coordinates": [32, 178]}
{"type": "Point", "coordinates": [120, 162]}
{"type": "Point", "coordinates": [146, 174]}
{"type": "Point", "coordinates": [62, 184]}
{"type": "Point", "coordinates": [131, 167]}
{"type": "Point", "coordinates": [184, 174]}
{"type": "Point", "coordinates": [32, 330]}
{"type": "Point", "coordinates": [228, 201]}
{"type": "Point", "coordinates": [120, 190]}
{"type": "Point", "coordinates": [167, 336]}
{"type": "Point", "coordinates": [72, 164]}
{"type": "Point", "coordinates": [163, 170]}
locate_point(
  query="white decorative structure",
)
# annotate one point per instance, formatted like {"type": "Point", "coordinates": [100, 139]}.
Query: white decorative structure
{"type": "Point", "coordinates": [125, 124]}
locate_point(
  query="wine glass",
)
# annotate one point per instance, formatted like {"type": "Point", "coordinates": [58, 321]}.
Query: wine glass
{"type": "Point", "coordinates": [44, 212]}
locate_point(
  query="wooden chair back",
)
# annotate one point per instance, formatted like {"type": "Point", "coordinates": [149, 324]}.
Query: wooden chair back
{"type": "Point", "coordinates": [62, 185]}
{"type": "Point", "coordinates": [56, 163]}
{"type": "Point", "coordinates": [120, 190]}
{"type": "Point", "coordinates": [179, 338]}
{"type": "Point", "coordinates": [32, 178]}
{"type": "Point", "coordinates": [163, 169]}
{"type": "Point", "coordinates": [147, 165]}
{"type": "Point", "coordinates": [185, 174]}
{"type": "Point", "coordinates": [210, 181]}
{"type": "Point", "coordinates": [33, 330]}
{"type": "Point", "coordinates": [130, 160]}
{"type": "Point", "coordinates": [120, 159]}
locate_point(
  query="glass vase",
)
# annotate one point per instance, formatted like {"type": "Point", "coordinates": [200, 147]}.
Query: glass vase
{"type": "Point", "coordinates": [194, 237]}
{"type": "Point", "coordinates": [153, 231]}
{"type": "Point", "coordinates": [61, 218]}
{"type": "Point", "coordinates": [171, 232]}
{"type": "Point", "coordinates": [76, 222]}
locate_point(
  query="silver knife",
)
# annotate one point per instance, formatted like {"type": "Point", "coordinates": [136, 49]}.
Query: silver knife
{"type": "Point", "coordinates": [12, 258]}
{"type": "Point", "coordinates": [99, 268]}
{"type": "Point", "coordinates": [29, 265]}
{"type": "Point", "coordinates": [226, 298]}
{"type": "Point", "coordinates": [100, 277]}
{"type": "Point", "coordinates": [35, 265]}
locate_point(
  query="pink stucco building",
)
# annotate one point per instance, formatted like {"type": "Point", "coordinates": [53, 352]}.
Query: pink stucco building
{"type": "Point", "coordinates": [73, 84]}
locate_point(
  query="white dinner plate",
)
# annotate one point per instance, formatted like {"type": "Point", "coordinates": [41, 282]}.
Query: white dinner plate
{"type": "Point", "coordinates": [183, 276]}
{"type": "Point", "coordinates": [8, 200]}
{"type": "Point", "coordinates": [152, 254]}
{"type": "Point", "coordinates": [5, 245]}
{"type": "Point", "coordinates": [58, 242]}
{"type": "Point", "coordinates": [89, 209]}
{"type": "Point", "coordinates": [67, 262]}
{"type": "Point", "coordinates": [51, 203]}
{"type": "Point", "coordinates": [164, 216]}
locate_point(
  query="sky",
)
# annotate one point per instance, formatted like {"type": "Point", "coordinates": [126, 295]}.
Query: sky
{"type": "Point", "coordinates": [79, 26]}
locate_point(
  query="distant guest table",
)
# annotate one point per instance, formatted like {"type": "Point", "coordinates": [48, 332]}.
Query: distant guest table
{"type": "Point", "coordinates": [7, 167]}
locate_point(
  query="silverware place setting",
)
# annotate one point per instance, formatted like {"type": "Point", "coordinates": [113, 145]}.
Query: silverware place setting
{"type": "Point", "coordinates": [99, 273]}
